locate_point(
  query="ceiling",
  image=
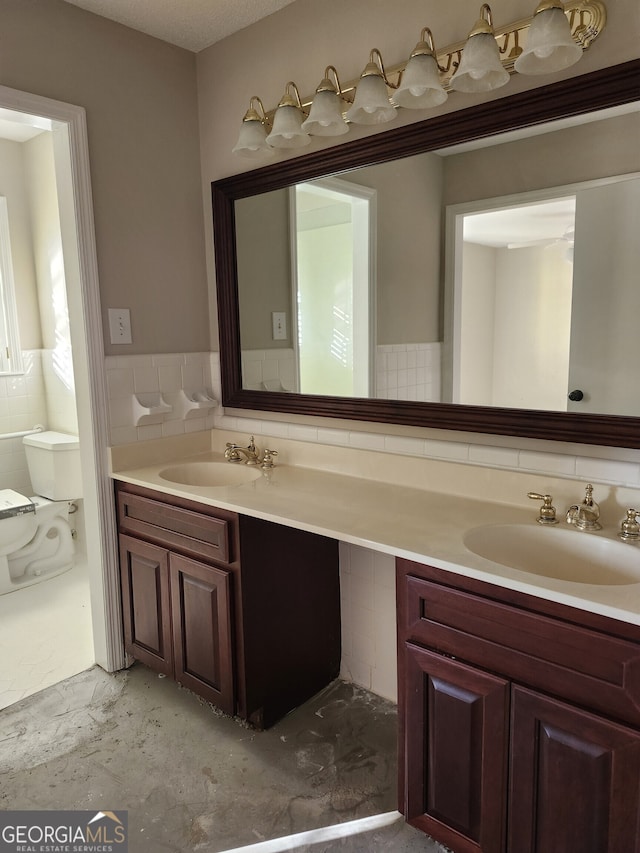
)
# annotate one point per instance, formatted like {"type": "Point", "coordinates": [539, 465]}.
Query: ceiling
{"type": "Point", "coordinates": [192, 24]}
{"type": "Point", "coordinates": [528, 225]}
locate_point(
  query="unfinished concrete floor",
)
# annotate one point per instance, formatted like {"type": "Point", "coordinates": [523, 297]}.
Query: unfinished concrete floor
{"type": "Point", "coordinates": [193, 779]}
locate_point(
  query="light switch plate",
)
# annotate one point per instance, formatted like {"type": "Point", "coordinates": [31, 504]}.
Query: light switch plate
{"type": "Point", "coordinates": [120, 325]}
{"type": "Point", "coordinates": [279, 320]}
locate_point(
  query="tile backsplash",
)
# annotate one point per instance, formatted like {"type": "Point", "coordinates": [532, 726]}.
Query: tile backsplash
{"type": "Point", "coordinates": [192, 371]}
{"type": "Point", "coordinates": [269, 370]}
{"type": "Point", "coordinates": [408, 372]}
{"type": "Point", "coordinates": [164, 374]}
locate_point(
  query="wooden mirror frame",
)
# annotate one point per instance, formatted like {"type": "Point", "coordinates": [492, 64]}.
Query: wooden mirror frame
{"type": "Point", "coordinates": [614, 86]}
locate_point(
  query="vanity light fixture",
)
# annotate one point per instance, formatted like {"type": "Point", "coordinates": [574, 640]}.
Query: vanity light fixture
{"type": "Point", "coordinates": [252, 140]}
{"type": "Point", "coordinates": [287, 129]}
{"type": "Point", "coordinates": [371, 104]}
{"type": "Point", "coordinates": [550, 46]}
{"type": "Point", "coordinates": [555, 36]}
{"type": "Point", "coordinates": [325, 116]}
{"type": "Point", "coordinates": [480, 68]}
{"type": "Point", "coordinates": [420, 86]}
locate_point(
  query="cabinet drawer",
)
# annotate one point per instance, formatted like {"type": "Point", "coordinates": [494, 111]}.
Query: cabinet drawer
{"type": "Point", "coordinates": [194, 533]}
{"type": "Point", "coordinates": [583, 665]}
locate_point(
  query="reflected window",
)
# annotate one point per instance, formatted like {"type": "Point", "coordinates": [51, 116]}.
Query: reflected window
{"type": "Point", "coordinates": [333, 281]}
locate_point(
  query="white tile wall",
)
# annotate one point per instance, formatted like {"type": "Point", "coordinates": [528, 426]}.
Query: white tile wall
{"type": "Point", "coordinates": [368, 606]}
{"type": "Point", "coordinates": [270, 370]}
{"type": "Point", "coordinates": [167, 374]}
{"type": "Point", "coordinates": [408, 372]}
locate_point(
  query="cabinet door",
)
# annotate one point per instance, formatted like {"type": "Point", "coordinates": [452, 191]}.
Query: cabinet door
{"type": "Point", "coordinates": [200, 603]}
{"type": "Point", "coordinates": [455, 752]}
{"type": "Point", "coordinates": [575, 780]}
{"type": "Point", "coordinates": [146, 609]}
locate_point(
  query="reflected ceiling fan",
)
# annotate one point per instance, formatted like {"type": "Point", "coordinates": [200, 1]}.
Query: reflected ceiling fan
{"type": "Point", "coordinates": [568, 237]}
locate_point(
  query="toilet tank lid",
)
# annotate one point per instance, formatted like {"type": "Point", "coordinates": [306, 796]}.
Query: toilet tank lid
{"type": "Point", "coordinates": [50, 440]}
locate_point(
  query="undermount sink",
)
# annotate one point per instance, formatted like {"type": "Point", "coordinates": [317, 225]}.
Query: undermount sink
{"type": "Point", "coordinates": [210, 474]}
{"type": "Point", "coordinates": [566, 555]}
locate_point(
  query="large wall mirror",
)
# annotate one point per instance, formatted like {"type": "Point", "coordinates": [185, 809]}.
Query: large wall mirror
{"type": "Point", "coordinates": [478, 271]}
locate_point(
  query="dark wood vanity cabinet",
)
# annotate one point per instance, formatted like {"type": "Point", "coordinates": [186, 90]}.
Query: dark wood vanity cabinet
{"type": "Point", "coordinates": [244, 612]}
{"type": "Point", "coordinates": [519, 719]}
{"type": "Point", "coordinates": [177, 618]}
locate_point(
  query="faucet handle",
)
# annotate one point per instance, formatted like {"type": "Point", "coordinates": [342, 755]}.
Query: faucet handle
{"type": "Point", "coordinates": [268, 460]}
{"type": "Point", "coordinates": [232, 454]}
{"type": "Point", "coordinates": [629, 527]}
{"type": "Point", "coordinates": [547, 510]}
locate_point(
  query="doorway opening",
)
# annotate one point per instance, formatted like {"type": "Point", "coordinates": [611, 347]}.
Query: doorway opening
{"type": "Point", "coordinates": [63, 343]}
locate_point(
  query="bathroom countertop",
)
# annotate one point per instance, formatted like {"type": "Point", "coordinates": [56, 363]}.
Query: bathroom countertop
{"type": "Point", "coordinates": [418, 524]}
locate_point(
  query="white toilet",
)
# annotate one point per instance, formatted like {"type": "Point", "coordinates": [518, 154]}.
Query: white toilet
{"type": "Point", "coordinates": [38, 545]}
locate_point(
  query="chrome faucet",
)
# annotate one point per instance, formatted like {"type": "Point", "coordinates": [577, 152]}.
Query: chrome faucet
{"type": "Point", "coordinates": [586, 515]}
{"type": "Point", "coordinates": [235, 452]}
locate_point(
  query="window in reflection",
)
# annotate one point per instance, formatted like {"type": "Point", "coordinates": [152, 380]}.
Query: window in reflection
{"type": "Point", "coordinates": [333, 281]}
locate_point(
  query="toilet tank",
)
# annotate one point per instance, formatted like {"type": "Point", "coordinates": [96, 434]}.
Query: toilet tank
{"type": "Point", "coordinates": [54, 465]}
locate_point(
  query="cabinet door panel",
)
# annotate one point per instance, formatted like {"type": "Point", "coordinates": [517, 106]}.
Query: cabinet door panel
{"type": "Point", "coordinates": [575, 780]}
{"type": "Point", "coordinates": [202, 630]}
{"type": "Point", "coordinates": [455, 751]}
{"type": "Point", "coordinates": [144, 573]}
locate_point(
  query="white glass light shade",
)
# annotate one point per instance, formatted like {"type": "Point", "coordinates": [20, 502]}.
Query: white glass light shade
{"type": "Point", "coordinates": [252, 140]}
{"type": "Point", "coordinates": [420, 87]}
{"type": "Point", "coordinates": [287, 128]}
{"type": "Point", "coordinates": [480, 69]}
{"type": "Point", "coordinates": [550, 46]}
{"type": "Point", "coordinates": [325, 116]}
{"type": "Point", "coordinates": [371, 104]}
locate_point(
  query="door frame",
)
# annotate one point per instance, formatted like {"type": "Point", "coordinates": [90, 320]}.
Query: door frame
{"type": "Point", "coordinates": [71, 158]}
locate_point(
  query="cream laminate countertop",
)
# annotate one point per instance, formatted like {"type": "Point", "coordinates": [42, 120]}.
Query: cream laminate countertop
{"type": "Point", "coordinates": [425, 526]}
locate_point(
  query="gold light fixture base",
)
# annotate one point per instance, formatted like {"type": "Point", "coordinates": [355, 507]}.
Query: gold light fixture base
{"type": "Point", "coordinates": [587, 19]}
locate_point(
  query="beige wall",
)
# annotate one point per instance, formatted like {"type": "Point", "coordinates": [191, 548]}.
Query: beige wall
{"type": "Point", "coordinates": [12, 186]}
{"type": "Point", "coordinates": [140, 97]}
{"type": "Point", "coordinates": [56, 357]}
{"type": "Point", "coordinates": [409, 212]}
{"type": "Point", "coordinates": [46, 237]}
{"type": "Point", "coordinates": [298, 42]}
{"type": "Point", "coordinates": [264, 268]}
{"type": "Point", "coordinates": [575, 154]}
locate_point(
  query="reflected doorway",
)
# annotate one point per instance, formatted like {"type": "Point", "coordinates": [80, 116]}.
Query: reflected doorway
{"type": "Point", "coordinates": [333, 245]}
{"type": "Point", "coordinates": [514, 293]}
